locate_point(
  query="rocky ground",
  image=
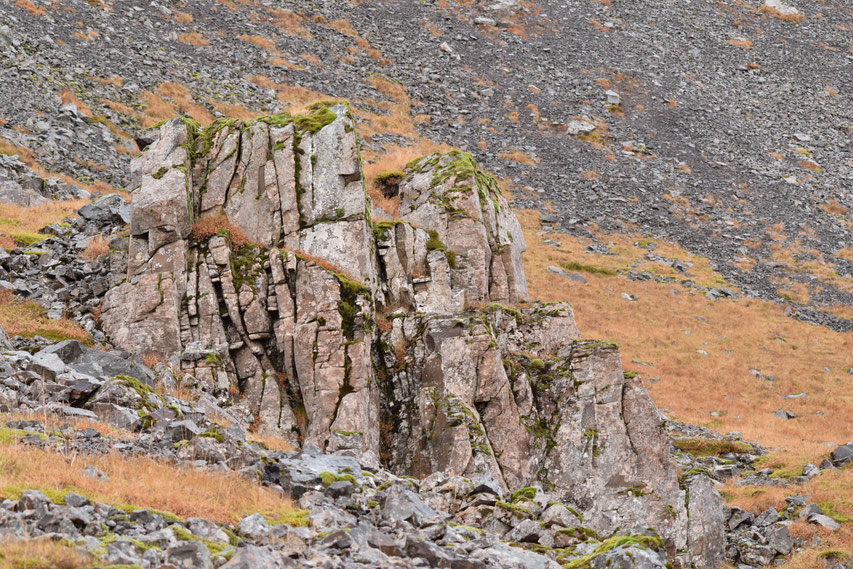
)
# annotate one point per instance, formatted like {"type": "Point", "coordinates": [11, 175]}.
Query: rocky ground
{"type": "Point", "coordinates": [437, 419]}
{"type": "Point", "coordinates": [721, 127]}
{"type": "Point", "coordinates": [354, 515]}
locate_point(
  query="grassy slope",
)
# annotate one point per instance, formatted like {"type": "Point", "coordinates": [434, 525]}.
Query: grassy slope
{"type": "Point", "coordinates": [716, 390]}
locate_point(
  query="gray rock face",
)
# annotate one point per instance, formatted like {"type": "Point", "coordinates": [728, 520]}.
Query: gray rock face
{"type": "Point", "coordinates": [705, 534]}
{"type": "Point", "coordinates": [443, 380]}
{"type": "Point", "coordinates": [471, 251]}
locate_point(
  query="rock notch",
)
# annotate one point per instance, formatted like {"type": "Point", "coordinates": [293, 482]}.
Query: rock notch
{"type": "Point", "coordinates": [253, 260]}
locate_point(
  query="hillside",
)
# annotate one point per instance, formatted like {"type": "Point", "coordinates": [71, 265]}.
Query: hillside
{"type": "Point", "coordinates": [680, 173]}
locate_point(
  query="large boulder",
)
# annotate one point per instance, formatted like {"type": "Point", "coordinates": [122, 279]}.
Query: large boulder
{"type": "Point", "coordinates": [253, 262]}
{"type": "Point", "coordinates": [92, 362]}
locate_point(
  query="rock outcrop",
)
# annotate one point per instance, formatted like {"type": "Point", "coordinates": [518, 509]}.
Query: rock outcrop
{"type": "Point", "coordinates": [253, 260]}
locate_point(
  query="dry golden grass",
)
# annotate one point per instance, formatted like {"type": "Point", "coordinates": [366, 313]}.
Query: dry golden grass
{"type": "Point", "coordinates": [294, 97]}
{"type": "Point", "coordinates": [664, 329]}
{"type": "Point", "coordinates": [184, 100]}
{"type": "Point", "coordinates": [68, 97]}
{"type": "Point", "coordinates": [235, 110]}
{"type": "Point", "coordinates": [20, 317]}
{"type": "Point", "coordinates": [19, 224]}
{"type": "Point", "coordinates": [290, 23]}
{"type": "Point", "coordinates": [744, 43]}
{"type": "Point", "coordinates": [809, 165]}
{"type": "Point", "coordinates": [96, 247]}
{"type": "Point", "coordinates": [193, 38]}
{"type": "Point", "coordinates": [261, 42]}
{"type": "Point", "coordinates": [164, 103]}
{"type": "Point", "coordinates": [115, 81]}
{"type": "Point", "coordinates": [141, 483]}
{"type": "Point", "coordinates": [181, 17]}
{"type": "Point", "coordinates": [796, 292]}
{"type": "Point", "coordinates": [395, 158]}
{"type": "Point", "coordinates": [834, 207]}
{"type": "Point", "coordinates": [793, 18]}
{"type": "Point", "coordinates": [519, 156]}
{"type": "Point", "coordinates": [56, 422]}
{"type": "Point", "coordinates": [272, 443]}
{"type": "Point", "coordinates": [43, 554]}
{"type": "Point", "coordinates": [30, 7]}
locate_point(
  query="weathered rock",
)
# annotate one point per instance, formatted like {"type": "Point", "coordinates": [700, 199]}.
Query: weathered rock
{"type": "Point", "coordinates": [93, 362]}
{"type": "Point", "coordinates": [469, 224]}
{"type": "Point", "coordinates": [5, 344]}
{"type": "Point", "coordinates": [756, 554]}
{"type": "Point", "coordinates": [453, 381]}
{"type": "Point", "coordinates": [705, 535]}
{"type": "Point", "coordinates": [189, 555]}
{"type": "Point", "coordinates": [404, 505]}
{"type": "Point", "coordinates": [766, 518]}
{"type": "Point", "coordinates": [779, 538]}
{"type": "Point", "coordinates": [825, 521]}
{"type": "Point", "coordinates": [253, 527]}
{"type": "Point", "coordinates": [252, 557]}
{"type": "Point", "coordinates": [842, 455]}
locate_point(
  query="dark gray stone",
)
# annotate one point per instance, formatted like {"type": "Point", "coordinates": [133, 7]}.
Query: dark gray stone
{"type": "Point", "coordinates": [97, 363]}
{"type": "Point", "coordinates": [189, 555]}
{"type": "Point", "coordinates": [401, 504]}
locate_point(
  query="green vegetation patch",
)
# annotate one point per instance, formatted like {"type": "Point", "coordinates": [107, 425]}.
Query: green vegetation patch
{"type": "Point", "coordinates": [710, 447]}
{"type": "Point", "coordinates": [643, 541]}
{"type": "Point", "coordinates": [27, 238]}
{"type": "Point", "coordinates": [593, 270]}
{"type": "Point", "coordinates": [330, 477]}
{"type": "Point", "coordinates": [528, 493]}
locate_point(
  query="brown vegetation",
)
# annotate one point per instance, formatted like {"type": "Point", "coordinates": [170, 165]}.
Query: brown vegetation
{"type": "Point", "coordinates": [43, 554]}
{"type": "Point", "coordinates": [19, 317]}
{"type": "Point", "coordinates": [96, 247]}
{"type": "Point", "coordinates": [193, 38]}
{"type": "Point", "coordinates": [30, 7]}
{"type": "Point", "coordinates": [793, 18]}
{"type": "Point", "coordinates": [22, 223]}
{"type": "Point", "coordinates": [217, 224]}
{"type": "Point", "coordinates": [141, 483]}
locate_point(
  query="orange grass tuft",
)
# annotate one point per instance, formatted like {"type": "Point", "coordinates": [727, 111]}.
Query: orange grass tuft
{"type": "Point", "coordinates": [193, 38]}
{"type": "Point", "coordinates": [213, 224]}
{"type": "Point", "coordinates": [96, 247]}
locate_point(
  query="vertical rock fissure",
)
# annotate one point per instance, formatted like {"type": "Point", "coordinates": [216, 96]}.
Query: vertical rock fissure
{"type": "Point", "coordinates": [622, 416]}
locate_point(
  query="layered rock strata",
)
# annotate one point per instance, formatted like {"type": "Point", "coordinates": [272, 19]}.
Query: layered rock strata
{"type": "Point", "coordinates": [253, 259]}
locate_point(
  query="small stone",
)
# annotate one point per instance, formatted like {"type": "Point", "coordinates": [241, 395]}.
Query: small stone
{"type": "Point", "coordinates": [189, 555]}
{"type": "Point", "coordinates": [824, 521]}
{"type": "Point", "coordinates": [253, 527]}
{"type": "Point", "coordinates": [766, 518]}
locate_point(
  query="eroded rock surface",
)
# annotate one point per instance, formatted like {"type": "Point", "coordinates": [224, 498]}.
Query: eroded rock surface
{"type": "Point", "coordinates": [254, 262]}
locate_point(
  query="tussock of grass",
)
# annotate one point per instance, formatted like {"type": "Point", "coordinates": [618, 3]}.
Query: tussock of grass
{"type": "Point", "coordinates": [96, 247]}
{"type": "Point", "coordinates": [575, 266]}
{"type": "Point", "coordinates": [706, 447]}
{"type": "Point", "coordinates": [217, 224]}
